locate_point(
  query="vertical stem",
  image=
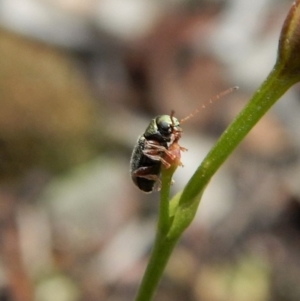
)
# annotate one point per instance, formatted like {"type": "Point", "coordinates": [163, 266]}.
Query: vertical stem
{"type": "Point", "coordinates": [163, 216]}
{"type": "Point", "coordinates": [163, 246]}
{"type": "Point", "coordinates": [159, 257]}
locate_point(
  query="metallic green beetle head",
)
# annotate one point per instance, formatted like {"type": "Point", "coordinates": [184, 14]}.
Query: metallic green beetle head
{"type": "Point", "coordinates": [162, 127]}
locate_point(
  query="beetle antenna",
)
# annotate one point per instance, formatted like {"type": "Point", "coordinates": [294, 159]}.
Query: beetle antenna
{"type": "Point", "coordinates": [210, 101]}
{"type": "Point", "coordinates": [172, 115]}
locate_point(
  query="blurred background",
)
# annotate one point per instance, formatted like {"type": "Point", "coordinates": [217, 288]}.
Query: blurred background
{"type": "Point", "coordinates": [79, 82]}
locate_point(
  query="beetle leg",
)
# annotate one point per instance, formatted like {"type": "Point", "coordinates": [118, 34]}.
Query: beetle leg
{"type": "Point", "coordinates": [157, 157]}
{"type": "Point", "coordinates": [183, 149]}
{"type": "Point", "coordinates": [153, 146]}
{"type": "Point", "coordinates": [175, 140]}
{"type": "Point", "coordinates": [143, 172]}
{"type": "Point", "coordinates": [154, 150]}
{"type": "Point", "coordinates": [149, 177]}
{"type": "Point", "coordinates": [157, 185]}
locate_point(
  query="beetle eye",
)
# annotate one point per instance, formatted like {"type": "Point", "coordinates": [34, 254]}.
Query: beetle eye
{"type": "Point", "coordinates": [164, 127]}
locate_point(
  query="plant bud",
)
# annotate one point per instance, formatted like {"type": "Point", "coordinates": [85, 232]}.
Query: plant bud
{"type": "Point", "coordinates": [289, 44]}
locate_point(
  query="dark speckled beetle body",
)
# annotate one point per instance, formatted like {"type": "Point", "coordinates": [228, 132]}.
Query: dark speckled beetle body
{"type": "Point", "coordinates": [147, 155]}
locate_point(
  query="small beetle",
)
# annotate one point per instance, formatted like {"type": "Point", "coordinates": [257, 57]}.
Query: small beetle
{"type": "Point", "coordinates": [157, 146]}
{"type": "Point", "coordinates": [147, 155]}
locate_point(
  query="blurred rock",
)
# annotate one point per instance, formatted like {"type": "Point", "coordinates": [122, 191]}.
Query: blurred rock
{"type": "Point", "coordinates": [47, 117]}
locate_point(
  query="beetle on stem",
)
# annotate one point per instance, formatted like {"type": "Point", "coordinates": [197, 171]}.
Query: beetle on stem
{"type": "Point", "coordinates": [159, 146]}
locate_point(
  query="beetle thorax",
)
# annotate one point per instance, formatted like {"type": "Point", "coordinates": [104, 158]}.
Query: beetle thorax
{"type": "Point", "coordinates": [162, 128]}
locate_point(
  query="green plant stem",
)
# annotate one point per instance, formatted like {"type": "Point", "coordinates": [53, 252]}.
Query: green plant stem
{"type": "Point", "coordinates": [163, 216]}
{"type": "Point", "coordinates": [163, 246]}
{"type": "Point", "coordinates": [172, 224]}
{"type": "Point", "coordinates": [160, 255]}
{"type": "Point", "coordinates": [269, 92]}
